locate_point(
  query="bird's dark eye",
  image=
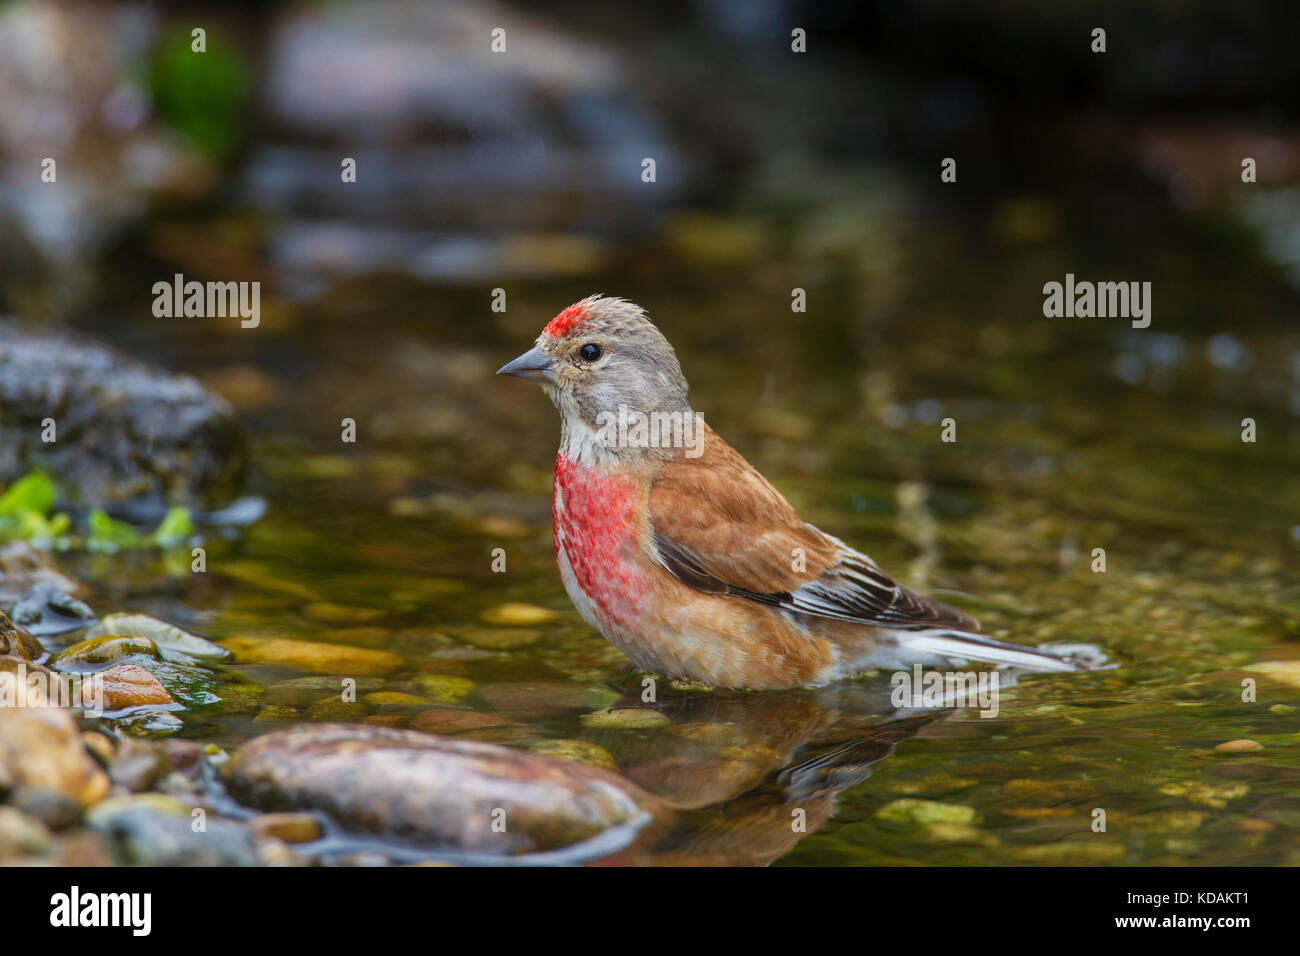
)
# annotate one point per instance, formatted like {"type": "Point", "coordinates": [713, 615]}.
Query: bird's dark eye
{"type": "Point", "coordinates": [590, 352]}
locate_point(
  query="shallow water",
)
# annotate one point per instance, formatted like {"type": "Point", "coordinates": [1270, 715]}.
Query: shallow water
{"type": "Point", "coordinates": [1072, 434]}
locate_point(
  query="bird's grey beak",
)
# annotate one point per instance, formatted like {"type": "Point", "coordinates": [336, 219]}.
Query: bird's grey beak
{"type": "Point", "coordinates": [534, 365]}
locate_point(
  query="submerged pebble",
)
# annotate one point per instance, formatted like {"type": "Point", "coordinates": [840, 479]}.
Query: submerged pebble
{"type": "Point", "coordinates": [499, 638]}
{"type": "Point", "coordinates": [314, 658]}
{"type": "Point", "coordinates": [22, 835]}
{"type": "Point", "coordinates": [909, 810]}
{"type": "Point", "coordinates": [445, 689]}
{"type": "Point", "coordinates": [469, 723]}
{"type": "Point", "coordinates": [515, 614]}
{"type": "Point", "coordinates": [328, 613]}
{"type": "Point", "coordinates": [625, 718]}
{"type": "Point", "coordinates": [1239, 747]}
{"type": "Point", "coordinates": [583, 751]}
{"type": "Point", "coordinates": [395, 702]}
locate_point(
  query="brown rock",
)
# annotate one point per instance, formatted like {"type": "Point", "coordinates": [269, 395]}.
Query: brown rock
{"type": "Point", "coordinates": [184, 756]}
{"type": "Point", "coordinates": [138, 765]}
{"type": "Point", "coordinates": [130, 685]}
{"type": "Point", "coordinates": [438, 793]}
{"type": "Point", "coordinates": [315, 658]}
{"type": "Point", "coordinates": [1239, 747]}
{"type": "Point", "coordinates": [469, 723]}
{"type": "Point", "coordinates": [537, 700]}
{"type": "Point", "coordinates": [16, 642]}
{"type": "Point", "coordinates": [387, 720]}
{"type": "Point", "coordinates": [40, 747]}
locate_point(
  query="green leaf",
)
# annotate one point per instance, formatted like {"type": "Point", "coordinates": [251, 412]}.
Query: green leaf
{"type": "Point", "coordinates": [33, 492]}
{"type": "Point", "coordinates": [109, 535]}
{"type": "Point", "coordinates": [201, 95]}
{"type": "Point", "coordinates": [175, 526]}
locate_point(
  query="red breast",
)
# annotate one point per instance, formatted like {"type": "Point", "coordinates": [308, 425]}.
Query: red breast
{"type": "Point", "coordinates": [597, 519]}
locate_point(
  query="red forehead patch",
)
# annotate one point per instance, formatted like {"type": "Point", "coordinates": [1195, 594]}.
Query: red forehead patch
{"type": "Point", "coordinates": [561, 325]}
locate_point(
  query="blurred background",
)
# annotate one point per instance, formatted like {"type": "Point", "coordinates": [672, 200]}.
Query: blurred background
{"type": "Point", "coordinates": [774, 170]}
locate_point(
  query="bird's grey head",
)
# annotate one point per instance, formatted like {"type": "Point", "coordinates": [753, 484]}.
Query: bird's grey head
{"type": "Point", "coordinates": [600, 355]}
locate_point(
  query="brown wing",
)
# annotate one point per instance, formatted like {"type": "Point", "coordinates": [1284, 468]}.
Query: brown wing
{"type": "Point", "coordinates": [721, 528]}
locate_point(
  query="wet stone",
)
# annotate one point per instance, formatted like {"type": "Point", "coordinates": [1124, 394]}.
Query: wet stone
{"type": "Point", "coordinates": [1239, 747]}
{"type": "Point", "coordinates": [359, 636]}
{"type": "Point", "coordinates": [315, 658]}
{"type": "Point", "coordinates": [395, 702]}
{"type": "Point", "coordinates": [21, 835]}
{"type": "Point", "coordinates": [100, 746]}
{"type": "Point", "coordinates": [1286, 672]}
{"type": "Point", "coordinates": [909, 810]}
{"type": "Point", "coordinates": [141, 433]}
{"type": "Point", "coordinates": [26, 684]}
{"type": "Point", "coordinates": [53, 808]}
{"type": "Point", "coordinates": [94, 652]}
{"type": "Point", "coordinates": [304, 691]}
{"type": "Point", "coordinates": [469, 723]}
{"type": "Point", "coordinates": [537, 700]}
{"type": "Point", "coordinates": [1072, 853]}
{"type": "Point", "coordinates": [518, 615]}
{"type": "Point", "coordinates": [151, 724]}
{"type": "Point", "coordinates": [184, 756]}
{"type": "Point", "coordinates": [138, 765]}
{"type": "Point", "coordinates": [15, 641]}
{"type": "Point", "coordinates": [127, 685]}
{"type": "Point", "coordinates": [445, 689]}
{"type": "Point", "coordinates": [172, 642]}
{"type": "Point", "coordinates": [276, 712]}
{"type": "Point", "coordinates": [328, 613]}
{"type": "Point", "coordinates": [42, 748]}
{"type": "Point", "coordinates": [583, 751]}
{"type": "Point", "coordinates": [155, 830]}
{"type": "Point", "coordinates": [431, 792]}
{"type": "Point", "coordinates": [499, 638]}
{"type": "Point", "coordinates": [22, 567]}
{"type": "Point", "coordinates": [335, 708]}
{"type": "Point", "coordinates": [46, 609]}
{"type": "Point", "coordinates": [387, 720]}
{"type": "Point", "coordinates": [625, 718]}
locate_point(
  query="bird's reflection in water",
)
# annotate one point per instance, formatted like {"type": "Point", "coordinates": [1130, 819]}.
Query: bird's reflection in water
{"type": "Point", "coordinates": [750, 774]}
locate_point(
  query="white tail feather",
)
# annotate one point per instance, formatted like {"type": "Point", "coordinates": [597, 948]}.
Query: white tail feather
{"type": "Point", "coordinates": [967, 646]}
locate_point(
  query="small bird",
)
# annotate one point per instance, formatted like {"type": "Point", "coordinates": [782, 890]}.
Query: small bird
{"type": "Point", "coordinates": [686, 559]}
